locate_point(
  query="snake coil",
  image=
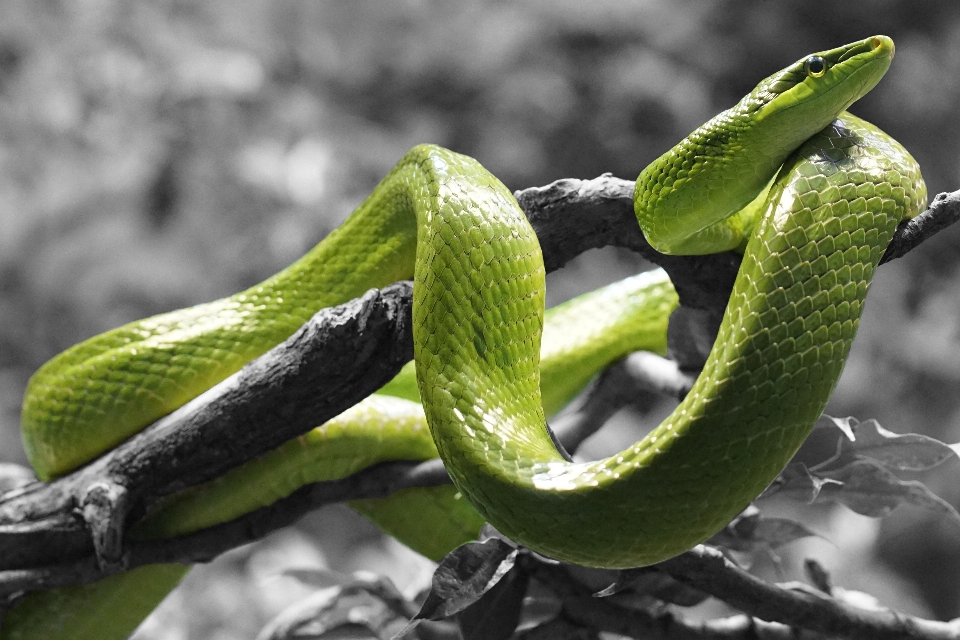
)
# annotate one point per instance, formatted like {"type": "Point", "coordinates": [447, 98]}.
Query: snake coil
{"type": "Point", "coordinates": [809, 193]}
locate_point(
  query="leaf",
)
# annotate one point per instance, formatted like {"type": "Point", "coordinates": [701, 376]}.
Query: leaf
{"type": "Point", "coordinates": [495, 616]}
{"type": "Point", "coordinates": [321, 578]}
{"type": "Point", "coordinates": [870, 489]}
{"type": "Point", "coordinates": [625, 579]}
{"type": "Point", "coordinates": [326, 611]}
{"type": "Point", "coordinates": [846, 425]}
{"type": "Point", "coordinates": [796, 482]}
{"type": "Point", "coordinates": [363, 603]}
{"type": "Point", "coordinates": [819, 576]}
{"type": "Point", "coordinates": [562, 629]}
{"type": "Point", "coordinates": [904, 452]}
{"type": "Point", "coordinates": [738, 531]}
{"type": "Point", "coordinates": [464, 575]}
{"type": "Point", "coordinates": [540, 605]}
{"type": "Point", "coordinates": [14, 476]}
{"type": "Point", "coordinates": [773, 533]}
{"type": "Point", "coordinates": [858, 599]}
{"type": "Point", "coordinates": [291, 620]}
{"type": "Point", "coordinates": [650, 582]}
{"type": "Point", "coordinates": [379, 587]}
{"type": "Point", "coordinates": [750, 532]}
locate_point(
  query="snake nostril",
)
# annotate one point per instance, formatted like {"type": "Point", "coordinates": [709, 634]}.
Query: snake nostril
{"type": "Point", "coordinates": [882, 42]}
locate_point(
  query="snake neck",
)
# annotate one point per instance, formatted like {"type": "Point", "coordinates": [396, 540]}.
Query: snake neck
{"type": "Point", "coordinates": [684, 198]}
{"type": "Point", "coordinates": [798, 298]}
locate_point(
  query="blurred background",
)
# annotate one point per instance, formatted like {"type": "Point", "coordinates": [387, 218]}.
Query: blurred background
{"type": "Point", "coordinates": [163, 153]}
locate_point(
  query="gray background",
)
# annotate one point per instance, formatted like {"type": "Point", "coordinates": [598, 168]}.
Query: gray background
{"type": "Point", "coordinates": [159, 154]}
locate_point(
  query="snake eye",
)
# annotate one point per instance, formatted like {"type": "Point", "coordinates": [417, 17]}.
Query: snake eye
{"type": "Point", "coordinates": [815, 66]}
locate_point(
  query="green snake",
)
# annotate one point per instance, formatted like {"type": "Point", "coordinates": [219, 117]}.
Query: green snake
{"type": "Point", "coordinates": [809, 194]}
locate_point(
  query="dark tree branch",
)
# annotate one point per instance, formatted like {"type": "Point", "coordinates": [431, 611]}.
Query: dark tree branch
{"type": "Point", "coordinates": [641, 624]}
{"type": "Point", "coordinates": [943, 212]}
{"type": "Point", "coordinates": [571, 216]}
{"type": "Point", "coordinates": [620, 385]}
{"type": "Point", "coordinates": [708, 570]}
{"type": "Point", "coordinates": [202, 546]}
{"type": "Point", "coordinates": [582, 607]}
{"type": "Point", "coordinates": [347, 351]}
{"type": "Point", "coordinates": [773, 611]}
{"type": "Point", "coordinates": [613, 390]}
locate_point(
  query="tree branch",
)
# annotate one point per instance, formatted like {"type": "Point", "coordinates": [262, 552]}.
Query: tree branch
{"type": "Point", "coordinates": [638, 623]}
{"type": "Point", "coordinates": [616, 388]}
{"type": "Point", "coordinates": [943, 212]}
{"type": "Point", "coordinates": [70, 531]}
{"type": "Point", "coordinates": [582, 606]}
{"type": "Point", "coordinates": [571, 216]}
{"type": "Point", "coordinates": [772, 611]}
{"type": "Point", "coordinates": [378, 481]}
{"type": "Point", "coordinates": [620, 385]}
{"type": "Point", "coordinates": [347, 351]}
{"type": "Point", "coordinates": [708, 570]}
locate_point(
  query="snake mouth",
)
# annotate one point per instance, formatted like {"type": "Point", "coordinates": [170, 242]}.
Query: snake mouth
{"type": "Point", "coordinates": [873, 46]}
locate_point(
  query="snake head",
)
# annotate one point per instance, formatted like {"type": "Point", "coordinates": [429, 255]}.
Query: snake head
{"type": "Point", "coordinates": [809, 94]}
{"type": "Point", "coordinates": [723, 165]}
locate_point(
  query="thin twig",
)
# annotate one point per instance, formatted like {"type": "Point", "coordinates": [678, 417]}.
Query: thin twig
{"type": "Point", "coordinates": [202, 546]}
{"type": "Point", "coordinates": [943, 212]}
{"type": "Point", "coordinates": [708, 570]}
{"type": "Point", "coordinates": [643, 625]}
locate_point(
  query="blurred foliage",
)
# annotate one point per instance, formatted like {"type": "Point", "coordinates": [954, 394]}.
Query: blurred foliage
{"type": "Point", "coordinates": [162, 153]}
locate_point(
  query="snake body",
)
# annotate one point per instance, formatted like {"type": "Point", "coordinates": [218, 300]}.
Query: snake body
{"type": "Point", "coordinates": [812, 196]}
{"type": "Point", "coordinates": [780, 350]}
{"type": "Point", "coordinates": [580, 337]}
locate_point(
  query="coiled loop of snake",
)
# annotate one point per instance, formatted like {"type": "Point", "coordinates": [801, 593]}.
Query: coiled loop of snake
{"type": "Point", "coordinates": [811, 241]}
{"type": "Point", "coordinates": [815, 238]}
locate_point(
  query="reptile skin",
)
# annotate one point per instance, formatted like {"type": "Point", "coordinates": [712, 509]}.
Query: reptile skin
{"type": "Point", "coordinates": [811, 245]}
{"type": "Point", "coordinates": [580, 337]}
